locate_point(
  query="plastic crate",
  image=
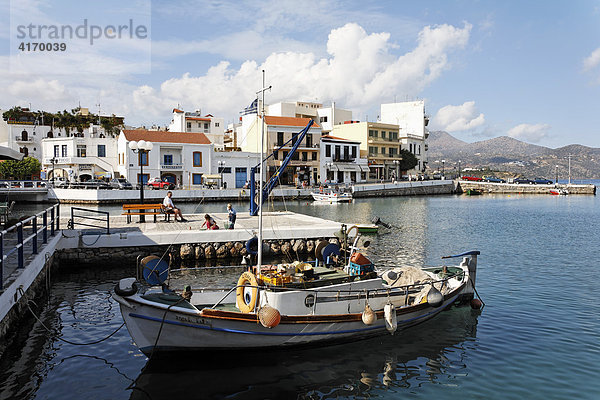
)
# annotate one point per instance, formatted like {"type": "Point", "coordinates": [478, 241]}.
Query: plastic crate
{"type": "Point", "coordinates": [356, 269]}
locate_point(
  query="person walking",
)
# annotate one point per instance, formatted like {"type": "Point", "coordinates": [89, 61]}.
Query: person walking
{"type": "Point", "coordinates": [170, 207]}
{"type": "Point", "coordinates": [232, 215]}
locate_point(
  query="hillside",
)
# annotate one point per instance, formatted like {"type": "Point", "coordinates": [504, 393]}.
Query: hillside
{"type": "Point", "coordinates": [508, 154]}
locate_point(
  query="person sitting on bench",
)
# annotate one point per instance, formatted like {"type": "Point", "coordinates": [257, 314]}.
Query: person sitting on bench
{"type": "Point", "coordinates": [170, 207]}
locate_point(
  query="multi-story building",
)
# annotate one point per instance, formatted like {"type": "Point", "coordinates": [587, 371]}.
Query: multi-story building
{"type": "Point", "coordinates": [379, 143]}
{"type": "Point", "coordinates": [195, 122]}
{"type": "Point", "coordinates": [25, 134]}
{"type": "Point", "coordinates": [340, 161]}
{"type": "Point", "coordinates": [412, 122]}
{"type": "Point", "coordinates": [304, 165]}
{"type": "Point", "coordinates": [183, 158]}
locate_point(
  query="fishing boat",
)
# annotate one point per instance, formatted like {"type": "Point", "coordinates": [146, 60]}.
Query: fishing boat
{"type": "Point", "coordinates": [291, 305]}
{"type": "Point", "coordinates": [332, 197]}
{"type": "Point", "coordinates": [473, 192]}
{"type": "Point", "coordinates": [559, 192]}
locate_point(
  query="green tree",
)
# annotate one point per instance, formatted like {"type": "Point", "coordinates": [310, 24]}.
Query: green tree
{"type": "Point", "coordinates": [23, 169]}
{"type": "Point", "coordinates": [409, 161]}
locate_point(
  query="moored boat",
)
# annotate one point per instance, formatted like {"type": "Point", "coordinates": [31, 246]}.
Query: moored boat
{"type": "Point", "coordinates": [291, 305]}
{"type": "Point", "coordinates": [332, 197]}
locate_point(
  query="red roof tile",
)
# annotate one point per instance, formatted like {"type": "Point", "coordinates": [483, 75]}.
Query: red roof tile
{"type": "Point", "coordinates": [166, 136]}
{"type": "Point", "coordinates": [288, 121]}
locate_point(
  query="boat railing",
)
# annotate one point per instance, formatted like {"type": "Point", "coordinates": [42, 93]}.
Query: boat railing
{"type": "Point", "coordinates": [343, 294]}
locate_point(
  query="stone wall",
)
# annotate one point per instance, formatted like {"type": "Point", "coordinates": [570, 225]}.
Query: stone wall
{"type": "Point", "coordinates": [489, 187]}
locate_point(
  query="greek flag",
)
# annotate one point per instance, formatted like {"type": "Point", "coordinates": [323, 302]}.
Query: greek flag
{"type": "Point", "coordinates": [252, 108]}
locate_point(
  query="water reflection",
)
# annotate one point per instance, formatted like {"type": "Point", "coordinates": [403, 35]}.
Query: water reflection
{"type": "Point", "coordinates": [431, 353]}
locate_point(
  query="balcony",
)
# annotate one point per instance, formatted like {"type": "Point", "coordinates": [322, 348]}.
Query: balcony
{"type": "Point", "coordinates": [22, 139]}
{"type": "Point", "coordinates": [343, 159]}
{"type": "Point", "coordinates": [172, 167]}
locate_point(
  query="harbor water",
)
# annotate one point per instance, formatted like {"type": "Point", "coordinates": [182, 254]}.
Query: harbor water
{"type": "Point", "coordinates": [537, 337]}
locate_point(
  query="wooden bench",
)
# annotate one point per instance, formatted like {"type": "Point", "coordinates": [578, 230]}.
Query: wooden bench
{"type": "Point", "coordinates": [145, 209]}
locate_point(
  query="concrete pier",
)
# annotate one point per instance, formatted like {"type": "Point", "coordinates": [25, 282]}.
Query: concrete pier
{"type": "Point", "coordinates": [499, 188]}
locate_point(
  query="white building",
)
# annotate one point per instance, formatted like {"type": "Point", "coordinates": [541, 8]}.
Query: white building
{"type": "Point", "coordinates": [24, 136]}
{"type": "Point", "coordinates": [412, 122]}
{"type": "Point", "coordinates": [341, 162]}
{"type": "Point", "coordinates": [330, 116]}
{"type": "Point", "coordinates": [81, 157]}
{"type": "Point", "coordinates": [195, 122]}
{"type": "Point", "coordinates": [184, 158]}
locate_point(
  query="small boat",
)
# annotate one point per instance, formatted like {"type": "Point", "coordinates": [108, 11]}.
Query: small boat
{"type": "Point", "coordinates": [291, 305]}
{"type": "Point", "coordinates": [559, 192]}
{"type": "Point", "coordinates": [367, 228]}
{"type": "Point", "coordinates": [332, 197]}
{"type": "Point", "coordinates": [473, 192]}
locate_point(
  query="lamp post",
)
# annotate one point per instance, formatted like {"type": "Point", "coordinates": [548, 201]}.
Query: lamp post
{"type": "Point", "coordinates": [221, 165]}
{"type": "Point", "coordinates": [142, 147]}
{"type": "Point", "coordinates": [53, 161]}
{"type": "Point", "coordinates": [443, 169]}
{"type": "Point", "coordinates": [458, 169]}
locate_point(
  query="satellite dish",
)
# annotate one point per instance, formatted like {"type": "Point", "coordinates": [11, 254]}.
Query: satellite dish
{"type": "Point", "coordinates": [155, 270]}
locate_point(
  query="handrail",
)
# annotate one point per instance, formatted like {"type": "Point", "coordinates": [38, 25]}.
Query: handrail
{"type": "Point", "coordinates": [87, 217]}
{"type": "Point", "coordinates": [18, 229]}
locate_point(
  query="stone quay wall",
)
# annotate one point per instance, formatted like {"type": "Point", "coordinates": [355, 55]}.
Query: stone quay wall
{"type": "Point", "coordinates": [499, 188]}
{"type": "Point", "coordinates": [192, 252]}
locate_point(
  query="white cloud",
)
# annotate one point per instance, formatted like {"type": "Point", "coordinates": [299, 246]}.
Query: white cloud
{"type": "Point", "coordinates": [592, 61]}
{"type": "Point", "coordinates": [458, 118]}
{"type": "Point", "coordinates": [529, 132]}
{"type": "Point", "coordinates": [359, 71]}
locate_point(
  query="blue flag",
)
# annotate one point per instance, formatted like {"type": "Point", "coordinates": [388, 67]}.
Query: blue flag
{"type": "Point", "coordinates": [252, 108]}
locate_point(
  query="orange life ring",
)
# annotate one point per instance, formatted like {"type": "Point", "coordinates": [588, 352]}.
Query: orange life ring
{"type": "Point", "coordinates": [247, 278]}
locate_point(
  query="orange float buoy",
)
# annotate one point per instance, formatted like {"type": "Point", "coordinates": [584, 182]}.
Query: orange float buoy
{"type": "Point", "coordinates": [476, 304]}
{"type": "Point", "coordinates": [269, 317]}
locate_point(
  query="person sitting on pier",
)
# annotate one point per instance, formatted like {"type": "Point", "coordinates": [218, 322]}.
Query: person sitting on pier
{"type": "Point", "coordinates": [170, 207]}
{"type": "Point", "coordinates": [210, 223]}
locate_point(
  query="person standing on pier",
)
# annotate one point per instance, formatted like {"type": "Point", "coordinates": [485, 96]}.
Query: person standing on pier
{"type": "Point", "coordinates": [232, 215]}
{"type": "Point", "coordinates": [170, 207]}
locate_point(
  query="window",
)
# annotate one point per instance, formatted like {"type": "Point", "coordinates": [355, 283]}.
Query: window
{"type": "Point", "coordinates": [189, 126]}
{"type": "Point", "coordinates": [336, 153]}
{"type": "Point", "coordinates": [275, 155]}
{"type": "Point", "coordinates": [197, 159]}
{"type": "Point", "coordinates": [168, 159]}
{"type": "Point", "coordinates": [353, 151]}
{"type": "Point", "coordinates": [372, 150]}
{"type": "Point", "coordinates": [143, 179]}
{"type": "Point", "coordinates": [284, 155]}
{"type": "Point", "coordinates": [101, 150]}
{"type": "Point", "coordinates": [56, 148]}
{"type": "Point", "coordinates": [419, 149]}
{"type": "Point", "coordinates": [328, 150]}
{"type": "Point", "coordinates": [383, 134]}
{"type": "Point", "coordinates": [64, 150]}
{"type": "Point", "coordinates": [323, 119]}
{"type": "Point", "coordinates": [197, 179]}
{"type": "Point", "coordinates": [372, 133]}
{"type": "Point", "coordinates": [143, 158]}
{"type": "Point", "coordinates": [225, 170]}
{"type": "Point", "coordinates": [346, 152]}
{"type": "Point", "coordinates": [296, 156]}
{"type": "Point", "coordinates": [309, 141]}
{"type": "Point", "coordinates": [216, 124]}
{"type": "Point", "coordinates": [81, 150]}
{"type": "Point", "coordinates": [294, 138]}
{"type": "Point", "coordinates": [393, 151]}
{"type": "Point", "coordinates": [393, 135]}
{"type": "Point", "coordinates": [279, 139]}
{"type": "Point", "coordinates": [314, 156]}
{"type": "Point", "coordinates": [304, 156]}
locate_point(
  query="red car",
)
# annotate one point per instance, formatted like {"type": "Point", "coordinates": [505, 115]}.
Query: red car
{"type": "Point", "coordinates": [471, 178]}
{"type": "Point", "coordinates": [156, 183]}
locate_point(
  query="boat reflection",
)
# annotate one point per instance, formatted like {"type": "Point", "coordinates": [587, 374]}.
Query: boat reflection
{"type": "Point", "coordinates": [431, 352]}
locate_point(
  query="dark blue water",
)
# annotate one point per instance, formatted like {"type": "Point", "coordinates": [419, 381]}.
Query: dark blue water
{"type": "Point", "coordinates": [537, 338]}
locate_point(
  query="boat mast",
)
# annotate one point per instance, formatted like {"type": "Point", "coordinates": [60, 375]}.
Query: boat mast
{"type": "Point", "coordinates": [261, 180]}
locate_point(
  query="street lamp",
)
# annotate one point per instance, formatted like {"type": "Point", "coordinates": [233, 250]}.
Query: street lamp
{"type": "Point", "coordinates": [221, 165]}
{"type": "Point", "coordinates": [458, 169]}
{"type": "Point", "coordinates": [140, 148]}
{"type": "Point", "coordinates": [443, 169]}
{"type": "Point", "coordinates": [53, 161]}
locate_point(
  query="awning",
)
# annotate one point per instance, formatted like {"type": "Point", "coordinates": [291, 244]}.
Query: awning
{"type": "Point", "coordinates": [349, 167]}
{"type": "Point", "coordinates": [6, 153]}
{"type": "Point", "coordinates": [332, 168]}
{"type": "Point", "coordinates": [211, 176]}
{"type": "Point", "coordinates": [103, 174]}
{"type": "Point", "coordinates": [364, 168]}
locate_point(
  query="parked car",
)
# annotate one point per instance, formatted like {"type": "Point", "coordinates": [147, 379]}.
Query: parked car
{"type": "Point", "coordinates": [542, 181]}
{"type": "Point", "coordinates": [95, 184]}
{"type": "Point", "coordinates": [522, 181]}
{"type": "Point", "coordinates": [471, 178]}
{"type": "Point", "coordinates": [120, 183]}
{"type": "Point", "coordinates": [156, 183]}
{"type": "Point", "coordinates": [493, 179]}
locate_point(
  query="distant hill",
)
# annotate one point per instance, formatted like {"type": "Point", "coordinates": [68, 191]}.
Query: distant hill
{"type": "Point", "coordinates": [508, 154]}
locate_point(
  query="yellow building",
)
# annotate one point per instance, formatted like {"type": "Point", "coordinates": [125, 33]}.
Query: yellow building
{"type": "Point", "coordinates": [380, 143]}
{"type": "Point", "coordinates": [304, 165]}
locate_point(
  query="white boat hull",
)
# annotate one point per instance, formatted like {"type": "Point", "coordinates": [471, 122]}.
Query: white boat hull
{"type": "Point", "coordinates": [332, 197]}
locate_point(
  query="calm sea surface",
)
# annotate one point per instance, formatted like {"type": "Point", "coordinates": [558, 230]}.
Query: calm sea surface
{"type": "Point", "coordinates": [537, 338]}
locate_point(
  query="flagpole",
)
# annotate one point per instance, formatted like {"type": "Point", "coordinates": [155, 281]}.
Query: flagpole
{"type": "Point", "coordinates": [261, 180]}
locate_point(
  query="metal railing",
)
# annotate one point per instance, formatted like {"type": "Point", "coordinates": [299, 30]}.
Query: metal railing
{"type": "Point", "coordinates": [84, 218]}
{"type": "Point", "coordinates": [26, 236]}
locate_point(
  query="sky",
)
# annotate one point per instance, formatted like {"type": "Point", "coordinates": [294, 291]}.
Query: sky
{"type": "Point", "coordinates": [526, 69]}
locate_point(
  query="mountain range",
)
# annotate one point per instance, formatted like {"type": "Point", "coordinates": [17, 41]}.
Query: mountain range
{"type": "Point", "coordinates": [513, 156]}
